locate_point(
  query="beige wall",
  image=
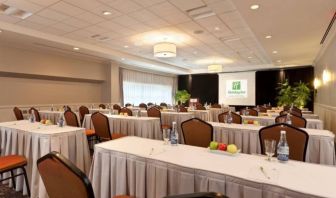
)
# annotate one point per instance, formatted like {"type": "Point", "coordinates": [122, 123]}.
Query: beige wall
{"type": "Point", "coordinates": [325, 99]}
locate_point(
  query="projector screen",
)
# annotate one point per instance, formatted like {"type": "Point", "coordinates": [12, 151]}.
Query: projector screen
{"type": "Point", "coordinates": [237, 88]}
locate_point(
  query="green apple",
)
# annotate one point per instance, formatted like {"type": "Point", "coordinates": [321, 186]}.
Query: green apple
{"type": "Point", "coordinates": [231, 148]}
{"type": "Point", "coordinates": [213, 145]}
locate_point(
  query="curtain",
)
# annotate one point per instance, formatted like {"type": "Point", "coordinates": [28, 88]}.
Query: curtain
{"type": "Point", "coordinates": [141, 87]}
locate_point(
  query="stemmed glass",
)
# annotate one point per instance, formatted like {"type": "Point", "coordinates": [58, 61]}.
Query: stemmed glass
{"type": "Point", "coordinates": [165, 134]}
{"type": "Point", "coordinates": [269, 148]}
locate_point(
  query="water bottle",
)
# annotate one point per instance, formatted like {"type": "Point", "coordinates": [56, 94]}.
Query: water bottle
{"type": "Point", "coordinates": [61, 121]}
{"type": "Point", "coordinates": [246, 111]}
{"type": "Point", "coordinates": [32, 118]}
{"type": "Point", "coordinates": [174, 135]}
{"type": "Point", "coordinates": [52, 107]}
{"type": "Point", "coordinates": [229, 118]}
{"type": "Point", "coordinates": [283, 149]}
{"type": "Point", "coordinates": [288, 119]}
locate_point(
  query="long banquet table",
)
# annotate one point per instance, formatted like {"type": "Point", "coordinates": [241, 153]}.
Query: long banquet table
{"type": "Point", "coordinates": [146, 127]}
{"type": "Point", "coordinates": [54, 116]}
{"type": "Point", "coordinates": [34, 140]}
{"type": "Point", "coordinates": [266, 121]}
{"type": "Point", "coordinates": [149, 169]}
{"type": "Point", "coordinates": [320, 147]}
{"type": "Point", "coordinates": [307, 116]}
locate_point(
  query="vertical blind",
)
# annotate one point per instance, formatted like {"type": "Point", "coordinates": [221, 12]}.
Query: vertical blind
{"type": "Point", "coordinates": [141, 87]}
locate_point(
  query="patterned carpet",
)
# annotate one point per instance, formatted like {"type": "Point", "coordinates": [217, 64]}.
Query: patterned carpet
{"type": "Point", "coordinates": [6, 192]}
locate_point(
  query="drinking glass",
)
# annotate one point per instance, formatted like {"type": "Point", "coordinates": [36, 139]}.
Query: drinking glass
{"type": "Point", "coordinates": [225, 119]}
{"type": "Point", "coordinates": [166, 136]}
{"type": "Point", "coordinates": [269, 148]}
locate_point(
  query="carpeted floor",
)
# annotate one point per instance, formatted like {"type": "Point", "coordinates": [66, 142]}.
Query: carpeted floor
{"type": "Point", "coordinates": [6, 192]}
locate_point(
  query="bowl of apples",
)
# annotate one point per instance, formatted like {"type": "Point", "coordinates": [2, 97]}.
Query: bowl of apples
{"type": "Point", "coordinates": [224, 149]}
{"type": "Point", "coordinates": [46, 122]}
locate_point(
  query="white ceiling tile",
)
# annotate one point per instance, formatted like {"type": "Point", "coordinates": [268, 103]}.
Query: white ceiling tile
{"type": "Point", "coordinates": [146, 3]}
{"type": "Point", "coordinates": [9, 19]}
{"type": "Point", "coordinates": [99, 11]}
{"type": "Point", "coordinates": [63, 26]}
{"type": "Point", "coordinates": [40, 20]}
{"type": "Point", "coordinates": [76, 22]}
{"type": "Point", "coordinates": [90, 18]}
{"type": "Point", "coordinates": [187, 4]}
{"type": "Point", "coordinates": [220, 6]}
{"type": "Point", "coordinates": [109, 25]}
{"type": "Point", "coordinates": [85, 4]}
{"type": "Point", "coordinates": [124, 6]}
{"type": "Point", "coordinates": [143, 15]}
{"type": "Point", "coordinates": [157, 23]}
{"type": "Point", "coordinates": [95, 29]}
{"type": "Point", "coordinates": [125, 20]}
{"type": "Point", "coordinates": [54, 31]}
{"type": "Point", "coordinates": [66, 8]}
{"type": "Point", "coordinates": [24, 5]}
{"type": "Point", "coordinates": [176, 18]}
{"type": "Point", "coordinates": [51, 14]}
{"type": "Point", "coordinates": [44, 2]}
{"type": "Point", "coordinates": [30, 25]}
{"type": "Point", "coordinates": [163, 9]}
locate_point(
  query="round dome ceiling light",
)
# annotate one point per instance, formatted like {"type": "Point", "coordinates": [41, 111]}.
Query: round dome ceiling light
{"type": "Point", "coordinates": [164, 50]}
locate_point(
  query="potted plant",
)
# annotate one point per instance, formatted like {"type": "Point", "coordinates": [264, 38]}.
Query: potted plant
{"type": "Point", "coordinates": [182, 96]}
{"type": "Point", "coordinates": [285, 96]}
{"type": "Point", "coordinates": [301, 94]}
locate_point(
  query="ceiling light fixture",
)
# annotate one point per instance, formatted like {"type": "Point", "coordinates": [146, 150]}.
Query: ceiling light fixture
{"type": "Point", "coordinates": [75, 48]}
{"type": "Point", "coordinates": [278, 61]}
{"type": "Point", "coordinates": [215, 68]}
{"type": "Point", "coordinates": [250, 57]}
{"type": "Point", "coordinates": [254, 7]}
{"type": "Point", "coordinates": [164, 50]}
{"type": "Point", "coordinates": [125, 46]}
{"type": "Point", "coordinates": [0, 31]}
{"type": "Point", "coordinates": [106, 13]}
{"type": "Point", "coordinates": [268, 36]}
{"type": "Point", "coordinates": [122, 59]}
{"type": "Point", "coordinates": [275, 52]}
{"type": "Point", "coordinates": [217, 28]}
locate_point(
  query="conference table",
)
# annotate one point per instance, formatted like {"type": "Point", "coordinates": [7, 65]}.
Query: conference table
{"type": "Point", "coordinates": [146, 127]}
{"type": "Point", "coordinates": [34, 140]}
{"type": "Point", "coordinates": [307, 116]}
{"type": "Point", "coordinates": [320, 148]}
{"type": "Point", "coordinates": [266, 121]}
{"type": "Point", "coordinates": [54, 116]}
{"type": "Point", "coordinates": [150, 169]}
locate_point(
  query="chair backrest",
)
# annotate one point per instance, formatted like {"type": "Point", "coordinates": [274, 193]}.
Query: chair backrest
{"type": "Point", "coordinates": [198, 195]}
{"type": "Point", "coordinates": [297, 139]}
{"type": "Point", "coordinates": [71, 118]}
{"type": "Point", "coordinates": [218, 106]}
{"type": "Point", "coordinates": [101, 126]}
{"type": "Point", "coordinates": [18, 113]}
{"type": "Point", "coordinates": [143, 105]}
{"type": "Point", "coordinates": [150, 104]}
{"type": "Point", "coordinates": [251, 112]}
{"type": "Point", "coordinates": [237, 119]}
{"type": "Point", "coordinates": [102, 106]}
{"type": "Point", "coordinates": [126, 110]}
{"type": "Point", "coordinates": [62, 179]}
{"type": "Point", "coordinates": [286, 108]}
{"type": "Point", "coordinates": [117, 107]}
{"type": "Point", "coordinates": [297, 113]}
{"type": "Point", "coordinates": [196, 132]}
{"type": "Point", "coordinates": [128, 104]}
{"type": "Point", "coordinates": [83, 110]}
{"type": "Point", "coordinates": [36, 113]}
{"type": "Point", "coordinates": [200, 107]}
{"type": "Point", "coordinates": [283, 113]}
{"type": "Point", "coordinates": [262, 109]}
{"type": "Point", "coordinates": [163, 104]}
{"type": "Point", "coordinates": [154, 112]}
{"type": "Point", "coordinates": [183, 109]}
{"type": "Point", "coordinates": [297, 121]}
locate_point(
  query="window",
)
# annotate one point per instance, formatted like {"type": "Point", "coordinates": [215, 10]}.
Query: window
{"type": "Point", "coordinates": [141, 87]}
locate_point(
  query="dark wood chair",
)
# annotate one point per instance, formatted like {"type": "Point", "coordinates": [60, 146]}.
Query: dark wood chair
{"type": "Point", "coordinates": [150, 104]}
{"type": "Point", "coordinates": [251, 112]}
{"type": "Point", "coordinates": [62, 179]}
{"type": "Point", "coordinates": [182, 109]}
{"type": "Point", "coordinates": [237, 119]}
{"type": "Point", "coordinates": [83, 110]}
{"type": "Point", "coordinates": [200, 107]}
{"type": "Point", "coordinates": [198, 195]}
{"type": "Point", "coordinates": [128, 105]}
{"type": "Point", "coordinates": [11, 163]}
{"type": "Point", "coordinates": [163, 104]}
{"type": "Point", "coordinates": [297, 121]}
{"type": "Point", "coordinates": [217, 106]}
{"type": "Point", "coordinates": [126, 110]}
{"type": "Point", "coordinates": [18, 113]}
{"type": "Point", "coordinates": [117, 107]}
{"type": "Point", "coordinates": [297, 139]}
{"type": "Point", "coordinates": [102, 127]}
{"type": "Point", "coordinates": [196, 132]}
{"type": "Point", "coordinates": [36, 114]}
{"type": "Point", "coordinates": [102, 106]}
{"type": "Point", "coordinates": [143, 106]}
{"type": "Point", "coordinates": [262, 109]}
{"type": "Point", "coordinates": [156, 113]}
{"type": "Point", "coordinates": [71, 120]}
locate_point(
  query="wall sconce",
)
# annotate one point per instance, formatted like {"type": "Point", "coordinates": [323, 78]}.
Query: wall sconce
{"type": "Point", "coordinates": [326, 76]}
{"type": "Point", "coordinates": [317, 83]}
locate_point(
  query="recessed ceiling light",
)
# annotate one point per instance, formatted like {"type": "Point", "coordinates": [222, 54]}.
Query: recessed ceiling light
{"type": "Point", "coordinates": [254, 7]}
{"type": "Point", "coordinates": [217, 28]}
{"type": "Point", "coordinates": [76, 48]}
{"type": "Point", "coordinates": [250, 57]}
{"type": "Point", "coordinates": [268, 36]}
{"type": "Point", "coordinates": [195, 52]}
{"type": "Point", "coordinates": [198, 32]}
{"type": "Point", "coordinates": [122, 59]}
{"type": "Point", "coordinates": [279, 61]}
{"type": "Point", "coordinates": [275, 52]}
{"type": "Point", "coordinates": [0, 31]}
{"type": "Point", "coordinates": [125, 46]}
{"type": "Point", "coordinates": [106, 13]}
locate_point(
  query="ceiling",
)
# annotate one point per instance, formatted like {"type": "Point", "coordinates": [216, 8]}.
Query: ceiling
{"type": "Point", "coordinates": [231, 33]}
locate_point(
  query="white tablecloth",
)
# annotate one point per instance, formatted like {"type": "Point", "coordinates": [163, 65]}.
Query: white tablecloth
{"type": "Point", "coordinates": [54, 116]}
{"type": "Point", "coordinates": [150, 169]}
{"type": "Point", "coordinates": [100, 110]}
{"type": "Point", "coordinates": [205, 115]}
{"type": "Point", "coordinates": [130, 125]}
{"type": "Point", "coordinates": [320, 147]}
{"type": "Point", "coordinates": [34, 140]}
{"type": "Point", "coordinates": [216, 111]}
{"type": "Point", "coordinates": [266, 121]}
{"type": "Point", "coordinates": [307, 116]}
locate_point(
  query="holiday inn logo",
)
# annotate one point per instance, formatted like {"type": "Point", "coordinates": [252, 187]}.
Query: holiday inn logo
{"type": "Point", "coordinates": [236, 85]}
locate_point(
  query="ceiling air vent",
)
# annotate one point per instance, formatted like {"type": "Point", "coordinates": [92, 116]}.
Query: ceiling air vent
{"type": "Point", "coordinates": [99, 37]}
{"type": "Point", "coordinates": [12, 11]}
{"type": "Point", "coordinates": [200, 12]}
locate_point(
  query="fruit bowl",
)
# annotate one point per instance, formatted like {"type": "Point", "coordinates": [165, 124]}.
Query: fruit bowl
{"type": "Point", "coordinates": [223, 152]}
{"type": "Point", "coordinates": [221, 148]}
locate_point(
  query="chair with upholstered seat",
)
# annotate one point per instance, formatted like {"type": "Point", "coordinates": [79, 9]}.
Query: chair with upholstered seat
{"type": "Point", "coordinates": [83, 110]}
{"type": "Point", "coordinates": [36, 114]}
{"type": "Point", "coordinates": [102, 106]}
{"type": "Point", "coordinates": [251, 112]}
{"type": "Point", "coordinates": [217, 106]}
{"type": "Point", "coordinates": [297, 139]}
{"type": "Point", "coordinates": [18, 113]}
{"type": "Point", "coordinates": [163, 104]}
{"type": "Point", "coordinates": [102, 127]}
{"type": "Point", "coordinates": [197, 132]}
{"type": "Point", "coordinates": [237, 119]}
{"type": "Point", "coordinates": [198, 195]}
{"type": "Point", "coordinates": [126, 110]}
{"type": "Point", "coordinates": [150, 104]}
{"type": "Point", "coordinates": [62, 179]}
{"type": "Point", "coordinates": [11, 163]}
{"type": "Point", "coordinates": [297, 121]}
{"type": "Point", "coordinates": [128, 105]}
{"type": "Point", "coordinates": [200, 107]}
{"type": "Point", "coordinates": [143, 106]}
{"type": "Point", "coordinates": [182, 109]}
{"type": "Point", "coordinates": [117, 107]}
{"type": "Point", "coordinates": [156, 113]}
{"type": "Point", "coordinates": [262, 109]}
{"type": "Point", "coordinates": [71, 120]}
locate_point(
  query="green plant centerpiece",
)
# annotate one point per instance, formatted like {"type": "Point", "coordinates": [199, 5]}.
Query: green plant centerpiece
{"type": "Point", "coordinates": [182, 96]}
{"type": "Point", "coordinates": [301, 94]}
